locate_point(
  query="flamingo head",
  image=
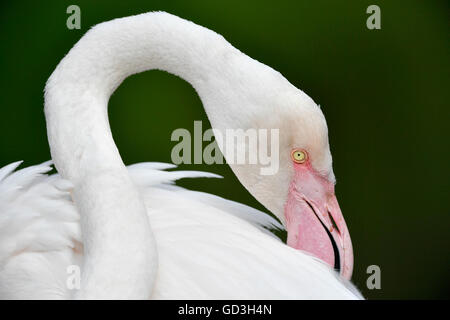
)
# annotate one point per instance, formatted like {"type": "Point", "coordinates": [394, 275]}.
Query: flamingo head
{"type": "Point", "coordinates": [301, 192]}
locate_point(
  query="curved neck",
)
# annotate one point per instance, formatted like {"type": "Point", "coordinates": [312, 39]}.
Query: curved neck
{"type": "Point", "coordinates": [120, 252]}
{"type": "Point", "coordinates": [77, 93]}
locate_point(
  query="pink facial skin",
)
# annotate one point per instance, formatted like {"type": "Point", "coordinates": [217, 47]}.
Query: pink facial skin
{"type": "Point", "coordinates": [310, 205]}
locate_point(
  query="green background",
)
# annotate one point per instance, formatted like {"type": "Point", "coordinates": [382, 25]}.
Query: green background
{"type": "Point", "coordinates": [384, 93]}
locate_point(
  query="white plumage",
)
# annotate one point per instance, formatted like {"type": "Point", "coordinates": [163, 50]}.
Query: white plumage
{"type": "Point", "coordinates": [209, 247]}
{"type": "Point", "coordinates": [135, 234]}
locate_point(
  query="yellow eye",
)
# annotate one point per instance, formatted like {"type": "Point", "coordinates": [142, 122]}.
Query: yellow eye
{"type": "Point", "coordinates": [299, 156]}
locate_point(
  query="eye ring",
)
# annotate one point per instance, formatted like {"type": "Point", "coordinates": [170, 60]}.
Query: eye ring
{"type": "Point", "coordinates": [299, 156]}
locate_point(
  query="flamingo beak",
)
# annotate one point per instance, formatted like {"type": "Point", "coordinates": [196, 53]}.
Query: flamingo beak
{"type": "Point", "coordinates": [314, 221]}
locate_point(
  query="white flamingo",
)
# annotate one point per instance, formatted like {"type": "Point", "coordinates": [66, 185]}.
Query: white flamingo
{"type": "Point", "coordinates": [135, 234]}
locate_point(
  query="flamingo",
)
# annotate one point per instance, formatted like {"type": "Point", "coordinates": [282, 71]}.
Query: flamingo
{"type": "Point", "coordinates": [132, 231]}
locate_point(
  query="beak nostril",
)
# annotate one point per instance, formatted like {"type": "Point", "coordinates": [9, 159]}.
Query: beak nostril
{"type": "Point", "coordinates": [333, 223]}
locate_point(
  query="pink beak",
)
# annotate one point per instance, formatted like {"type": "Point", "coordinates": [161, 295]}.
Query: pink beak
{"type": "Point", "coordinates": [314, 221]}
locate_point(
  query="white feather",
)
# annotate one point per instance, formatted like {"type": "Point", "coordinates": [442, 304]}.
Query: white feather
{"type": "Point", "coordinates": [208, 247]}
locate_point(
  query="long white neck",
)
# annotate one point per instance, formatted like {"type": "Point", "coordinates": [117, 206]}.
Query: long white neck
{"type": "Point", "coordinates": [120, 251]}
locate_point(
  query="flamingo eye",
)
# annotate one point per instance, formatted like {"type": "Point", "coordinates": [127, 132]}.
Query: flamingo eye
{"type": "Point", "coordinates": [299, 156]}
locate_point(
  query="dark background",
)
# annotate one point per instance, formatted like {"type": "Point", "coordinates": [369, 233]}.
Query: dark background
{"type": "Point", "coordinates": [384, 93]}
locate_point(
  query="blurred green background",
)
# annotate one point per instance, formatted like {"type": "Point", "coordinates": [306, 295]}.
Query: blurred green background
{"type": "Point", "coordinates": [384, 93]}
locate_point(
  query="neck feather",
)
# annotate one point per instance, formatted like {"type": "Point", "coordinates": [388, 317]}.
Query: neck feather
{"type": "Point", "coordinates": [120, 252]}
